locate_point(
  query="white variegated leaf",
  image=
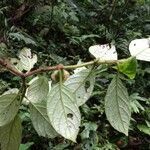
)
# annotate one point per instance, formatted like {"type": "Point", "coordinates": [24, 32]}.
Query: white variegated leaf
{"type": "Point", "coordinates": [140, 48]}
{"type": "Point", "coordinates": [104, 52]}
{"type": "Point", "coordinates": [27, 60]}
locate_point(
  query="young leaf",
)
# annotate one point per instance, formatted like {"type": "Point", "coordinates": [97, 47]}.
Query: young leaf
{"type": "Point", "coordinates": [104, 52]}
{"type": "Point", "coordinates": [27, 60]}
{"type": "Point", "coordinates": [9, 106]}
{"type": "Point", "coordinates": [38, 90]}
{"type": "Point", "coordinates": [63, 112]}
{"type": "Point", "coordinates": [41, 121]}
{"type": "Point", "coordinates": [140, 48]}
{"type": "Point", "coordinates": [128, 67]}
{"type": "Point", "coordinates": [117, 106]}
{"type": "Point", "coordinates": [10, 135]}
{"type": "Point", "coordinates": [81, 84]}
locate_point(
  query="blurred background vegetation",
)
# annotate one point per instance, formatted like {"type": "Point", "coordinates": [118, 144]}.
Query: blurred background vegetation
{"type": "Point", "coordinates": [61, 31]}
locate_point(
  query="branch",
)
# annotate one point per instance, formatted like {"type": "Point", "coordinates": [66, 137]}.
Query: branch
{"type": "Point", "coordinates": [9, 67]}
{"type": "Point", "coordinates": [6, 64]}
{"type": "Point", "coordinates": [23, 89]}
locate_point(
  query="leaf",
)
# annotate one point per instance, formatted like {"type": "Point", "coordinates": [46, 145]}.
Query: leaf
{"type": "Point", "coordinates": [38, 90]}
{"type": "Point", "coordinates": [41, 121]}
{"type": "Point", "coordinates": [10, 135]}
{"type": "Point", "coordinates": [20, 37]}
{"type": "Point", "coordinates": [63, 113]}
{"type": "Point", "coordinates": [143, 128]}
{"type": "Point", "coordinates": [9, 106]}
{"type": "Point", "coordinates": [88, 127]}
{"type": "Point", "coordinates": [117, 106]}
{"type": "Point", "coordinates": [128, 67]}
{"type": "Point", "coordinates": [104, 52]}
{"type": "Point", "coordinates": [79, 69]}
{"type": "Point", "coordinates": [11, 91]}
{"type": "Point", "coordinates": [81, 84]}
{"type": "Point", "coordinates": [3, 50]}
{"type": "Point", "coordinates": [25, 146]}
{"type": "Point", "coordinates": [140, 48]}
{"type": "Point", "coordinates": [27, 60]}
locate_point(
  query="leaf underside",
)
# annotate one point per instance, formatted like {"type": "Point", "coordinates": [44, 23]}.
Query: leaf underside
{"type": "Point", "coordinates": [38, 90]}
{"type": "Point", "coordinates": [81, 84]}
{"type": "Point", "coordinates": [63, 112]}
{"type": "Point", "coordinates": [27, 60]}
{"type": "Point", "coordinates": [10, 135]}
{"type": "Point", "coordinates": [9, 106]}
{"type": "Point", "coordinates": [41, 121]}
{"type": "Point", "coordinates": [117, 106]}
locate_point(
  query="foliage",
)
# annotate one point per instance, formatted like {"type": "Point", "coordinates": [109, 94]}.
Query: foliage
{"type": "Point", "coordinates": [61, 32]}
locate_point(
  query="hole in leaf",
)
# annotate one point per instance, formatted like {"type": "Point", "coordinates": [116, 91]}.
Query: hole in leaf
{"type": "Point", "coordinates": [30, 56]}
{"type": "Point", "coordinates": [87, 85]}
{"type": "Point", "coordinates": [70, 116]}
{"type": "Point", "coordinates": [24, 71]}
{"type": "Point", "coordinates": [15, 63]}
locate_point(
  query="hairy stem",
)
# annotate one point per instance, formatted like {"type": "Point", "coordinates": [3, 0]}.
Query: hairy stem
{"type": "Point", "coordinates": [24, 87]}
{"type": "Point", "coordinates": [9, 67]}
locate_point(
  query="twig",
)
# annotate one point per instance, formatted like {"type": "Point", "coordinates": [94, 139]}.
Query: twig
{"type": "Point", "coordinates": [23, 89]}
{"type": "Point", "coordinates": [9, 67]}
{"type": "Point", "coordinates": [6, 64]}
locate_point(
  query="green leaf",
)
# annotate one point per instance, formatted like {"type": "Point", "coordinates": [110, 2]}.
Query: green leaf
{"type": "Point", "coordinates": [41, 121]}
{"type": "Point", "coordinates": [90, 126]}
{"type": "Point", "coordinates": [117, 106]}
{"type": "Point", "coordinates": [38, 90]}
{"type": "Point", "coordinates": [63, 112]}
{"type": "Point", "coordinates": [25, 146]}
{"type": "Point", "coordinates": [144, 128]}
{"type": "Point", "coordinates": [3, 50]}
{"type": "Point", "coordinates": [81, 84]}
{"type": "Point", "coordinates": [9, 106]}
{"type": "Point", "coordinates": [128, 67]}
{"type": "Point", "coordinates": [20, 37]}
{"type": "Point", "coordinates": [10, 135]}
{"type": "Point", "coordinates": [27, 60]}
